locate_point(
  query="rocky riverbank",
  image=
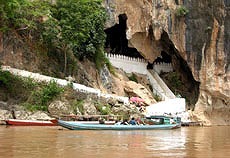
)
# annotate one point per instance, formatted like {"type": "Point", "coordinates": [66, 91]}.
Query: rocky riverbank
{"type": "Point", "coordinates": [60, 108]}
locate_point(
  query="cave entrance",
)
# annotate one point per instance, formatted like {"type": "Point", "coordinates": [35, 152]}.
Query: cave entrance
{"type": "Point", "coordinates": [116, 41]}
{"type": "Point", "coordinates": [181, 80]}
{"type": "Point", "coordinates": [163, 58]}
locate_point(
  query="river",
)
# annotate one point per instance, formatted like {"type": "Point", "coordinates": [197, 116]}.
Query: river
{"type": "Point", "coordinates": [56, 142]}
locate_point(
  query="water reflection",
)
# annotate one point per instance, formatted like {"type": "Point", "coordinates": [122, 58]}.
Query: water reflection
{"type": "Point", "coordinates": [52, 142]}
{"type": "Point", "coordinates": [208, 141]}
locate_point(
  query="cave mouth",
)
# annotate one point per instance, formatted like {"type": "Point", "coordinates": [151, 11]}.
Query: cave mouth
{"type": "Point", "coordinates": [116, 41]}
{"type": "Point", "coordinates": [181, 80]}
{"type": "Point", "coordinates": [163, 58]}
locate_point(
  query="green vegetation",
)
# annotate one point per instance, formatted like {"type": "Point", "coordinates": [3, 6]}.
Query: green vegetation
{"type": "Point", "coordinates": [69, 26]}
{"type": "Point", "coordinates": [21, 14]}
{"type": "Point", "coordinates": [5, 79]}
{"type": "Point", "coordinates": [181, 11]}
{"type": "Point", "coordinates": [78, 106]}
{"type": "Point", "coordinates": [103, 109]}
{"type": "Point", "coordinates": [157, 97]}
{"type": "Point", "coordinates": [42, 96]}
{"type": "Point", "coordinates": [31, 95]}
{"type": "Point", "coordinates": [110, 67]}
{"type": "Point", "coordinates": [78, 27]}
{"type": "Point", "coordinates": [175, 81]}
{"type": "Point", "coordinates": [14, 86]}
{"type": "Point", "coordinates": [133, 77]}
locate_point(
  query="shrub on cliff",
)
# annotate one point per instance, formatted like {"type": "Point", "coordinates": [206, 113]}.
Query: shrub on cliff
{"type": "Point", "coordinates": [21, 15]}
{"type": "Point", "coordinates": [15, 87]}
{"type": "Point", "coordinates": [76, 26]}
{"type": "Point", "coordinates": [181, 11]}
{"type": "Point", "coordinates": [40, 98]}
{"type": "Point", "coordinates": [69, 26]}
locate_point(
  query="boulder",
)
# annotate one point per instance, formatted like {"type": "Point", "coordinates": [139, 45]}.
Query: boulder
{"type": "Point", "coordinates": [89, 108]}
{"type": "Point", "coordinates": [5, 114]}
{"type": "Point", "coordinates": [134, 89]}
{"type": "Point", "coordinates": [126, 110]}
{"type": "Point", "coordinates": [58, 108]}
{"type": "Point", "coordinates": [22, 114]}
{"type": "Point", "coordinates": [39, 115]}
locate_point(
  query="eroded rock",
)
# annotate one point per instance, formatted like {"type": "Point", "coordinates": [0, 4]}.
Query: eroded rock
{"type": "Point", "coordinates": [134, 89]}
{"type": "Point", "coordinates": [59, 108]}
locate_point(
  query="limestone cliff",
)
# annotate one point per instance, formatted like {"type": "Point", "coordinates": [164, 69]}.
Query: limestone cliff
{"type": "Point", "coordinates": [196, 34]}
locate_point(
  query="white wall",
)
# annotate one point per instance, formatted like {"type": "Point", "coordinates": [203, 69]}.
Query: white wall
{"type": "Point", "coordinates": [78, 87]}
{"type": "Point", "coordinates": [128, 64]}
{"type": "Point", "coordinates": [164, 67]}
{"type": "Point", "coordinates": [172, 106]}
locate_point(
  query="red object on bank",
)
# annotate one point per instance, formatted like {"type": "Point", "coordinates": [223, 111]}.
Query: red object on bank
{"type": "Point", "coordinates": [17, 122]}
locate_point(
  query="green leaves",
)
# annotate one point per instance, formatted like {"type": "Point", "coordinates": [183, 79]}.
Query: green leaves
{"type": "Point", "coordinates": [68, 25]}
{"type": "Point", "coordinates": [82, 25]}
{"type": "Point", "coordinates": [40, 98]}
{"type": "Point", "coordinates": [5, 78]}
{"type": "Point", "coordinates": [22, 14]}
{"type": "Point", "coordinates": [181, 11]}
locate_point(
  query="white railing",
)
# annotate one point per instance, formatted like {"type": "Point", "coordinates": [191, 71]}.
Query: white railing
{"type": "Point", "coordinates": [157, 90]}
{"type": "Point", "coordinates": [123, 57]}
{"type": "Point", "coordinates": [128, 64]}
{"type": "Point", "coordinates": [138, 65]}
{"type": "Point", "coordinates": [78, 87]}
{"type": "Point", "coordinates": [162, 67]}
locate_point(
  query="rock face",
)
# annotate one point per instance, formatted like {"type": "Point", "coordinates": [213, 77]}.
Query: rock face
{"type": "Point", "coordinates": [197, 32]}
{"type": "Point", "coordinates": [139, 18]}
{"type": "Point", "coordinates": [194, 33]}
{"type": "Point", "coordinates": [58, 108]}
{"type": "Point", "coordinates": [5, 114]}
{"type": "Point", "coordinates": [137, 90]}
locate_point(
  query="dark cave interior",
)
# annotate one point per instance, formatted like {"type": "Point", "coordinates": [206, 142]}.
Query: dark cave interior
{"type": "Point", "coordinates": [188, 87]}
{"type": "Point", "coordinates": [116, 41]}
{"type": "Point", "coordinates": [164, 57]}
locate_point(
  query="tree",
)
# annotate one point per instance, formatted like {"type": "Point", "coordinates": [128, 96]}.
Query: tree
{"type": "Point", "coordinates": [21, 14]}
{"type": "Point", "coordinates": [77, 26]}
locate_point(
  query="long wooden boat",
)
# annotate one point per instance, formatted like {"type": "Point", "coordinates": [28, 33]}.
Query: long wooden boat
{"type": "Point", "coordinates": [17, 122]}
{"type": "Point", "coordinates": [82, 126]}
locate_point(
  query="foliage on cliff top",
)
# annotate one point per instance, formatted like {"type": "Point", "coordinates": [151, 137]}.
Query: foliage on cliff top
{"type": "Point", "coordinates": [71, 26]}
{"type": "Point", "coordinates": [21, 14]}
{"type": "Point", "coordinates": [78, 25]}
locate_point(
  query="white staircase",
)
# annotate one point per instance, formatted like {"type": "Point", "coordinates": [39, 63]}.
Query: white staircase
{"type": "Point", "coordinates": [136, 65]}
{"type": "Point", "coordinates": [159, 87]}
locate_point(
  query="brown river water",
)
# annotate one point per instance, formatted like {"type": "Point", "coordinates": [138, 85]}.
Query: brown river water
{"type": "Point", "coordinates": [56, 142]}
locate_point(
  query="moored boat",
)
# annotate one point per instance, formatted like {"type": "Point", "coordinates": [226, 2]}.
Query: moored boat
{"type": "Point", "coordinates": [154, 123]}
{"type": "Point", "coordinates": [17, 122]}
